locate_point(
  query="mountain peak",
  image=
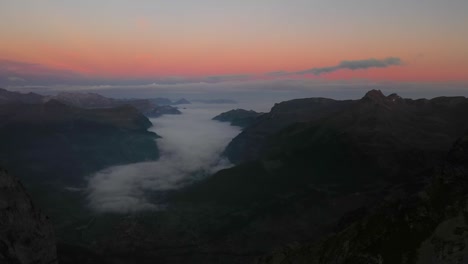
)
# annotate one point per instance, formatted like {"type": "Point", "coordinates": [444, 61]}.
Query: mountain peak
{"type": "Point", "coordinates": [374, 95]}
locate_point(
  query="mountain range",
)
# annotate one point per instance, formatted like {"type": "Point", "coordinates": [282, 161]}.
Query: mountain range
{"type": "Point", "coordinates": [381, 179]}
{"type": "Point", "coordinates": [148, 107]}
{"type": "Point", "coordinates": [313, 167]}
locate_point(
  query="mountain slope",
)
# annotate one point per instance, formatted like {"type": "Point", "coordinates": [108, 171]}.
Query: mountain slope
{"type": "Point", "coordinates": [312, 165]}
{"type": "Point", "coordinates": [337, 146]}
{"type": "Point", "coordinates": [429, 226]}
{"type": "Point", "coordinates": [26, 235]}
{"type": "Point", "coordinates": [61, 142]}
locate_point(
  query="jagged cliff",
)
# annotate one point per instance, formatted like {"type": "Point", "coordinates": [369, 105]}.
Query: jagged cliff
{"type": "Point", "coordinates": [26, 236]}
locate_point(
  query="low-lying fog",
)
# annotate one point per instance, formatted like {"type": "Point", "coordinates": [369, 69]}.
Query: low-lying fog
{"type": "Point", "coordinates": [191, 145]}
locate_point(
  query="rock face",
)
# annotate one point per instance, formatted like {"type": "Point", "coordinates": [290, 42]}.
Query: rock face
{"type": "Point", "coordinates": [26, 236]}
{"type": "Point", "coordinates": [238, 117]}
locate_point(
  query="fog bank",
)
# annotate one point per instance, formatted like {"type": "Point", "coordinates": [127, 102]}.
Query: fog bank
{"type": "Point", "coordinates": [191, 145]}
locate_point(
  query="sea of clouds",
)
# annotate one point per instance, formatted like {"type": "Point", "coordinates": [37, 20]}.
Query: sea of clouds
{"type": "Point", "coordinates": [191, 144]}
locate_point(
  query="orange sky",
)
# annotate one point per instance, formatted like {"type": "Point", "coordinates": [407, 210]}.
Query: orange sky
{"type": "Point", "coordinates": [113, 42]}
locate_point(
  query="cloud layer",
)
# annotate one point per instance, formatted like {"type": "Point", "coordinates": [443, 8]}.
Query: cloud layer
{"type": "Point", "coordinates": [191, 147]}
{"type": "Point", "coordinates": [14, 73]}
{"type": "Point", "coordinates": [344, 65]}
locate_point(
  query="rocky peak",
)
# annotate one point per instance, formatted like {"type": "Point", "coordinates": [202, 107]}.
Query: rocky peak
{"type": "Point", "coordinates": [26, 235]}
{"type": "Point", "coordinates": [378, 98]}
{"type": "Point", "coordinates": [374, 96]}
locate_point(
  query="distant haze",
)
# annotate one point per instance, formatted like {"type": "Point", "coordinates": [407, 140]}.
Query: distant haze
{"type": "Point", "coordinates": [192, 143]}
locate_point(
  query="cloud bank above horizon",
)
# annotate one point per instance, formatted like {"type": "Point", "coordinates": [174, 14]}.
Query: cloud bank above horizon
{"type": "Point", "coordinates": [15, 73]}
{"type": "Point", "coordinates": [216, 41]}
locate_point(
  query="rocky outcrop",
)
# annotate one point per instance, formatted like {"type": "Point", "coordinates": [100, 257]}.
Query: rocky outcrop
{"type": "Point", "coordinates": [26, 236]}
{"type": "Point", "coordinates": [238, 117]}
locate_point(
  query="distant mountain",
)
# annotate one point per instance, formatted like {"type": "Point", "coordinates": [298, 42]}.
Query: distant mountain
{"type": "Point", "coordinates": [85, 100]}
{"type": "Point", "coordinates": [148, 107]}
{"type": "Point", "coordinates": [26, 233]}
{"type": "Point", "coordinates": [238, 117]}
{"type": "Point", "coordinates": [15, 97]}
{"type": "Point", "coordinates": [215, 101]}
{"type": "Point", "coordinates": [181, 101]}
{"type": "Point", "coordinates": [163, 110]}
{"type": "Point", "coordinates": [61, 142]}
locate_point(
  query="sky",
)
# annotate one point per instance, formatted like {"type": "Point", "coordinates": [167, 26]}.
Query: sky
{"type": "Point", "coordinates": [93, 42]}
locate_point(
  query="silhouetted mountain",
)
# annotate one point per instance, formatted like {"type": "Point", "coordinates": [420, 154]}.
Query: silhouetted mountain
{"type": "Point", "coordinates": [14, 97]}
{"type": "Point", "coordinates": [26, 235]}
{"type": "Point", "coordinates": [238, 117]}
{"type": "Point", "coordinates": [312, 166]}
{"type": "Point", "coordinates": [85, 100]}
{"type": "Point", "coordinates": [181, 101]}
{"type": "Point", "coordinates": [148, 107]}
{"type": "Point", "coordinates": [325, 181]}
{"type": "Point", "coordinates": [248, 145]}
{"type": "Point", "coordinates": [58, 141]}
{"type": "Point", "coordinates": [163, 110]}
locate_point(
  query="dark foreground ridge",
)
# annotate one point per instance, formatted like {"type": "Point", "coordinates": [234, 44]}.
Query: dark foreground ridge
{"type": "Point", "coordinates": [26, 235]}
{"type": "Point", "coordinates": [430, 226]}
